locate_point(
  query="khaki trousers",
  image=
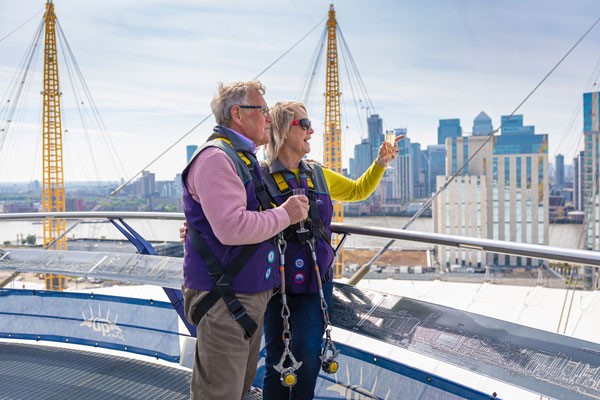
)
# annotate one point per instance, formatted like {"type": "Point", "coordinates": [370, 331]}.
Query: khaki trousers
{"type": "Point", "coordinates": [225, 361]}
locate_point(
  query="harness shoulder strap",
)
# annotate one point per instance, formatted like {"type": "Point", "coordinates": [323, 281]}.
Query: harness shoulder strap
{"type": "Point", "coordinates": [315, 215]}
{"type": "Point", "coordinates": [264, 199]}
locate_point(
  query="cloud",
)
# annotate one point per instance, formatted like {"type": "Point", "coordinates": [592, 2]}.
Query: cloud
{"type": "Point", "coordinates": [152, 68]}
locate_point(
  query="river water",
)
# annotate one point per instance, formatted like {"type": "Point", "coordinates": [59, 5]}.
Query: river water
{"type": "Point", "coordinates": [561, 235]}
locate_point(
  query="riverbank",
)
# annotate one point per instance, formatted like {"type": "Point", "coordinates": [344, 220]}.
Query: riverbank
{"type": "Point", "coordinates": [390, 258]}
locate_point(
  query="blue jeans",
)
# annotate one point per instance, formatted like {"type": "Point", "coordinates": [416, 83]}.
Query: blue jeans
{"type": "Point", "coordinates": [306, 323]}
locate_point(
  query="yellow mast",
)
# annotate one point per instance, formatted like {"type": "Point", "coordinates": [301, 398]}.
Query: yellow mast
{"type": "Point", "coordinates": [53, 188]}
{"type": "Point", "coordinates": [332, 144]}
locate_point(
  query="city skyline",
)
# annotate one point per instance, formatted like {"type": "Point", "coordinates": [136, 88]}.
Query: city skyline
{"type": "Point", "coordinates": [154, 69]}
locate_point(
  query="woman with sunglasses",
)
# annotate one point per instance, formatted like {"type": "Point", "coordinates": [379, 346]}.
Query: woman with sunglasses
{"type": "Point", "coordinates": [294, 328]}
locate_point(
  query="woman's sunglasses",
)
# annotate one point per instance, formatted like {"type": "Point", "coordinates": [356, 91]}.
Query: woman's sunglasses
{"type": "Point", "coordinates": [304, 123]}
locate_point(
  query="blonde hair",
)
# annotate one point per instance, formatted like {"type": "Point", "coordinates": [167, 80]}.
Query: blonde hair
{"type": "Point", "coordinates": [282, 115]}
{"type": "Point", "coordinates": [231, 94]}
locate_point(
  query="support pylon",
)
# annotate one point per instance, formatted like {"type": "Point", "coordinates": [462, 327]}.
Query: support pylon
{"type": "Point", "coordinates": [332, 141]}
{"type": "Point", "coordinates": [53, 187]}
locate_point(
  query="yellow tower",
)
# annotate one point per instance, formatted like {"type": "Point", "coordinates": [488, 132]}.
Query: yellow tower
{"type": "Point", "coordinates": [53, 188]}
{"type": "Point", "coordinates": [332, 142]}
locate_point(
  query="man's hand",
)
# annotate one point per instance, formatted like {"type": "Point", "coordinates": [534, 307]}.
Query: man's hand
{"type": "Point", "coordinates": [297, 208]}
{"type": "Point", "coordinates": [183, 232]}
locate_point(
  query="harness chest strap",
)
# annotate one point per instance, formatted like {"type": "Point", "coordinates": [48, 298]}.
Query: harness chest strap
{"type": "Point", "coordinates": [284, 188]}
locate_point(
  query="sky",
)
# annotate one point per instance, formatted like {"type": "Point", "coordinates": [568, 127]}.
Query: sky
{"type": "Point", "coordinates": [152, 68]}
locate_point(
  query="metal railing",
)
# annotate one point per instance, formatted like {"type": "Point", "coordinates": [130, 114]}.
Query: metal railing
{"type": "Point", "coordinates": [585, 257]}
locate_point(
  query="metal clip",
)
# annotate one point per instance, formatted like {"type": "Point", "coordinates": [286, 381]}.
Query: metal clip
{"type": "Point", "coordinates": [328, 362]}
{"type": "Point", "coordinates": [288, 375]}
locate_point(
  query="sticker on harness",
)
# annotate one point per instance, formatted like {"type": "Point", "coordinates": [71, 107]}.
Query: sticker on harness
{"type": "Point", "coordinates": [268, 273]}
{"type": "Point", "coordinates": [271, 257]}
{"type": "Point", "coordinates": [299, 278]}
{"type": "Point", "coordinates": [299, 263]}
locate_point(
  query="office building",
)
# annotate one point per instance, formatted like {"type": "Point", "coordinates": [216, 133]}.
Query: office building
{"type": "Point", "coordinates": [502, 194]}
{"type": "Point", "coordinates": [436, 165]}
{"type": "Point", "coordinates": [401, 174]}
{"type": "Point", "coordinates": [482, 125]}
{"type": "Point", "coordinates": [190, 150]}
{"type": "Point", "coordinates": [375, 129]}
{"type": "Point", "coordinates": [590, 165]}
{"type": "Point", "coordinates": [559, 172]}
{"type": "Point", "coordinates": [361, 160]}
{"type": "Point", "coordinates": [448, 128]}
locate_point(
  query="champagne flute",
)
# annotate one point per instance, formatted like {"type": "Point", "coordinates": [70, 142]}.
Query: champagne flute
{"type": "Point", "coordinates": [390, 137]}
{"type": "Point", "coordinates": [300, 191]}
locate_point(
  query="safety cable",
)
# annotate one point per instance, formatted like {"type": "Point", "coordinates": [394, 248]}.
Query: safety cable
{"type": "Point", "coordinates": [288, 50]}
{"type": "Point", "coordinates": [20, 26]}
{"type": "Point", "coordinates": [449, 180]}
{"type": "Point", "coordinates": [357, 72]}
{"type": "Point", "coordinates": [97, 117]}
{"type": "Point", "coordinates": [78, 102]}
{"type": "Point", "coordinates": [313, 67]}
{"type": "Point", "coordinates": [11, 110]}
{"type": "Point", "coordinates": [345, 53]}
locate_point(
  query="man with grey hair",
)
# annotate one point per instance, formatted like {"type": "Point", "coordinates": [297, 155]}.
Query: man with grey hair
{"type": "Point", "coordinates": [230, 265]}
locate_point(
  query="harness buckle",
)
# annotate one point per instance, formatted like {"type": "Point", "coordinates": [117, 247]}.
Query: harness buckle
{"type": "Point", "coordinates": [239, 312]}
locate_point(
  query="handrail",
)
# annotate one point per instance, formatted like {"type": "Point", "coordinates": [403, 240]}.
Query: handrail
{"type": "Point", "coordinates": [92, 215]}
{"type": "Point", "coordinates": [493, 246]}
{"type": "Point", "coordinates": [585, 257]}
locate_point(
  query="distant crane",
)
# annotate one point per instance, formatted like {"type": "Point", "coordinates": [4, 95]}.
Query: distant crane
{"type": "Point", "coordinates": [53, 186]}
{"type": "Point", "coordinates": [332, 141]}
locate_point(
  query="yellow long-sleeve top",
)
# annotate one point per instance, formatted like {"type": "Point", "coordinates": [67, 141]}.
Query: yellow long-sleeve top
{"type": "Point", "coordinates": [345, 189]}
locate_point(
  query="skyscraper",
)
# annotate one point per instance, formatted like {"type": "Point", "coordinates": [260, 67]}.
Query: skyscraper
{"type": "Point", "coordinates": [189, 151]}
{"type": "Point", "coordinates": [436, 163]}
{"type": "Point", "coordinates": [375, 127]}
{"type": "Point", "coordinates": [448, 128]}
{"type": "Point", "coordinates": [401, 176]}
{"type": "Point", "coordinates": [361, 160]}
{"type": "Point", "coordinates": [420, 168]}
{"type": "Point", "coordinates": [578, 163]}
{"type": "Point", "coordinates": [591, 179]}
{"type": "Point", "coordinates": [482, 125]}
{"type": "Point", "coordinates": [559, 173]}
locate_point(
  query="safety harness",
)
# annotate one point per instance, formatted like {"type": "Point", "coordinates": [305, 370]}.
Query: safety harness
{"type": "Point", "coordinates": [221, 276]}
{"type": "Point", "coordinates": [315, 231]}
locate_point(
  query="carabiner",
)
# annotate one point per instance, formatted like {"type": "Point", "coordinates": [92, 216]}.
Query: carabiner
{"type": "Point", "coordinates": [287, 375]}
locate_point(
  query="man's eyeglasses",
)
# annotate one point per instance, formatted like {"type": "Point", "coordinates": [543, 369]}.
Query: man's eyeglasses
{"type": "Point", "coordinates": [264, 109]}
{"type": "Point", "coordinates": [304, 123]}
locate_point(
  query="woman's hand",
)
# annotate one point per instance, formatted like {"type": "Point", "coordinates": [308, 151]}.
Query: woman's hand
{"type": "Point", "coordinates": [387, 152]}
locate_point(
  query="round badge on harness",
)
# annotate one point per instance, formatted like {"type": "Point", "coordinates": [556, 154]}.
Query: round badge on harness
{"type": "Point", "coordinates": [299, 278]}
{"type": "Point", "coordinates": [268, 273]}
{"type": "Point", "coordinates": [271, 257]}
{"type": "Point", "coordinates": [299, 263]}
